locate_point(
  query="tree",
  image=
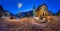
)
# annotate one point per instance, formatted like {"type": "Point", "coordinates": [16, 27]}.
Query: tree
{"type": "Point", "coordinates": [1, 9]}
{"type": "Point", "coordinates": [58, 13]}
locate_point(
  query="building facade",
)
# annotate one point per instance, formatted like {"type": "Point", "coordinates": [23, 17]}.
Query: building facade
{"type": "Point", "coordinates": [42, 11]}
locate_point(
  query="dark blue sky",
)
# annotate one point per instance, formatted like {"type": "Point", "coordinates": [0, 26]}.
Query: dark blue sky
{"type": "Point", "coordinates": [12, 5]}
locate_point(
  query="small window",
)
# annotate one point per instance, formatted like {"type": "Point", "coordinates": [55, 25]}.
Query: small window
{"type": "Point", "coordinates": [45, 9]}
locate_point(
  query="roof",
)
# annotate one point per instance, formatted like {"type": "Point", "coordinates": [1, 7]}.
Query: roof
{"type": "Point", "coordinates": [40, 6]}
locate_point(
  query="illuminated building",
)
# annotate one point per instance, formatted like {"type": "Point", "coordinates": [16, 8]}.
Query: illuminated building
{"type": "Point", "coordinates": [42, 11]}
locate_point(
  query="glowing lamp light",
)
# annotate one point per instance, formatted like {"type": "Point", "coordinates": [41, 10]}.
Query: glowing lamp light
{"type": "Point", "coordinates": [19, 5]}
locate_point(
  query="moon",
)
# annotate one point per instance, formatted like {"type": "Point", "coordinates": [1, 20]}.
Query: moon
{"type": "Point", "coordinates": [19, 5]}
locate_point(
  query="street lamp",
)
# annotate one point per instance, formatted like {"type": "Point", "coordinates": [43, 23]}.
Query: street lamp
{"type": "Point", "coordinates": [19, 6]}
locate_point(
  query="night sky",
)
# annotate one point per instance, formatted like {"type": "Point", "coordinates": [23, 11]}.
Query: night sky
{"type": "Point", "coordinates": [12, 5]}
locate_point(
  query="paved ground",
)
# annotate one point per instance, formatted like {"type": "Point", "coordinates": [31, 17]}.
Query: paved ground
{"type": "Point", "coordinates": [30, 24]}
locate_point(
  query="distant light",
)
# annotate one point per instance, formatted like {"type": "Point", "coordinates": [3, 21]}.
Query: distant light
{"type": "Point", "coordinates": [19, 5]}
